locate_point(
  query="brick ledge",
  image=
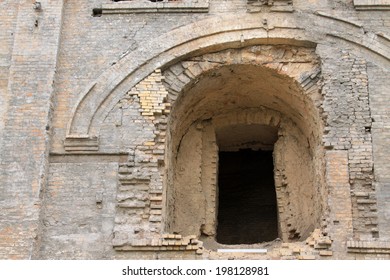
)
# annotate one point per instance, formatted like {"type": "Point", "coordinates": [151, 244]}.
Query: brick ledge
{"type": "Point", "coordinates": [370, 5]}
{"type": "Point", "coordinates": [368, 247]}
{"type": "Point", "coordinates": [154, 7]}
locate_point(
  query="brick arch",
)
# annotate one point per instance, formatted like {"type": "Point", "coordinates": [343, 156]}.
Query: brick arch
{"type": "Point", "coordinates": [300, 64]}
{"type": "Point", "coordinates": [210, 35]}
{"type": "Point", "coordinates": [114, 83]}
{"type": "Point", "coordinates": [204, 99]}
{"type": "Point", "coordinates": [214, 70]}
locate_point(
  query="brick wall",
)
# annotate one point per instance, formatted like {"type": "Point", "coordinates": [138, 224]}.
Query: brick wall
{"type": "Point", "coordinates": [80, 202]}
{"type": "Point", "coordinates": [348, 128]}
{"type": "Point", "coordinates": [105, 39]}
{"type": "Point", "coordinates": [35, 85]}
{"type": "Point", "coordinates": [379, 98]}
{"type": "Point", "coordinates": [24, 150]}
{"type": "Point", "coordinates": [7, 25]}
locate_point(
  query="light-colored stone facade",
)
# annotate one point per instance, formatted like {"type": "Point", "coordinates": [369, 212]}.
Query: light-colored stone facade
{"type": "Point", "coordinates": [113, 114]}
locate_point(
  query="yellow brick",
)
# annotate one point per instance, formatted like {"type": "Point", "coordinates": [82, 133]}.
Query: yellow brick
{"type": "Point", "coordinates": [149, 143]}
{"type": "Point", "coordinates": [307, 257]}
{"type": "Point", "coordinates": [199, 251]}
{"type": "Point", "coordinates": [296, 250]}
{"type": "Point", "coordinates": [326, 253]}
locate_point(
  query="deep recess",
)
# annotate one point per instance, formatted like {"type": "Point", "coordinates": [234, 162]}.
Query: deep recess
{"type": "Point", "coordinates": [247, 199]}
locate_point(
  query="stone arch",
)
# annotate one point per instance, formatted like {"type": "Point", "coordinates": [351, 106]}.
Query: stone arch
{"type": "Point", "coordinates": [259, 85]}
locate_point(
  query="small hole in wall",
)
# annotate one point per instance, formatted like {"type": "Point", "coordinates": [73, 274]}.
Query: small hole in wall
{"type": "Point", "coordinates": [293, 235]}
{"type": "Point", "coordinates": [97, 12]}
{"type": "Point", "coordinates": [99, 200]}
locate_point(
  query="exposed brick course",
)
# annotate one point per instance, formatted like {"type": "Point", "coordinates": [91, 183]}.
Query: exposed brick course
{"type": "Point", "coordinates": [111, 116]}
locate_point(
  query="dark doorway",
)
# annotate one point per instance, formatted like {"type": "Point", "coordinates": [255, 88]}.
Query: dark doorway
{"type": "Point", "coordinates": [247, 210]}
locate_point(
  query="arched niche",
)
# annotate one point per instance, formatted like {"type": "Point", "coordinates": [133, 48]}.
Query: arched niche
{"type": "Point", "coordinates": [245, 104]}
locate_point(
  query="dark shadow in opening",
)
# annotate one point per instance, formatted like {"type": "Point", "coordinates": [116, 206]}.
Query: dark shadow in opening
{"type": "Point", "coordinates": [247, 210]}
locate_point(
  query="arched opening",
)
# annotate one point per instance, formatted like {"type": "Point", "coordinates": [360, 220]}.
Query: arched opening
{"type": "Point", "coordinates": [248, 134]}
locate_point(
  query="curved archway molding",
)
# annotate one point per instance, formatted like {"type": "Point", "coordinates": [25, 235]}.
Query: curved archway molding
{"type": "Point", "coordinates": [208, 35]}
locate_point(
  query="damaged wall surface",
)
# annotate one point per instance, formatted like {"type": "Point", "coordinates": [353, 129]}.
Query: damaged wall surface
{"type": "Point", "coordinates": [171, 129]}
{"type": "Point", "coordinates": [231, 92]}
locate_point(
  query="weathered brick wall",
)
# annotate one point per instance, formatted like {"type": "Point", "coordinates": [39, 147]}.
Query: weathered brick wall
{"type": "Point", "coordinates": [26, 124]}
{"type": "Point", "coordinates": [105, 40]}
{"type": "Point", "coordinates": [223, 6]}
{"type": "Point", "coordinates": [348, 128]}
{"type": "Point", "coordinates": [7, 25]}
{"type": "Point", "coordinates": [80, 200]}
{"type": "Point", "coordinates": [379, 85]}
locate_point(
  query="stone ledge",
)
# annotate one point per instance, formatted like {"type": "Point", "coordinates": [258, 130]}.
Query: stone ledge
{"type": "Point", "coordinates": [81, 144]}
{"type": "Point", "coordinates": [136, 7]}
{"type": "Point", "coordinates": [370, 5]}
{"type": "Point", "coordinates": [368, 247]}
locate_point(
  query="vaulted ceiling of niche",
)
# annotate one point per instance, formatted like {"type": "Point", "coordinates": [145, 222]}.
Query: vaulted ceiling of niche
{"type": "Point", "coordinates": [241, 86]}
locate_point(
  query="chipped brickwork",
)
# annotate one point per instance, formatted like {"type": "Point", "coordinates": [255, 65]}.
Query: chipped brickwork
{"type": "Point", "coordinates": [296, 62]}
{"type": "Point", "coordinates": [299, 64]}
{"type": "Point", "coordinates": [348, 115]}
{"type": "Point", "coordinates": [140, 179]}
{"type": "Point", "coordinates": [166, 242]}
{"type": "Point", "coordinates": [95, 164]}
{"type": "Point", "coordinates": [152, 95]}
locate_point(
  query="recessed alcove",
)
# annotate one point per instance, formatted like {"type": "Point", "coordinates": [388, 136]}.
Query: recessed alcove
{"type": "Point", "coordinates": [247, 208]}
{"type": "Point", "coordinates": [244, 162]}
